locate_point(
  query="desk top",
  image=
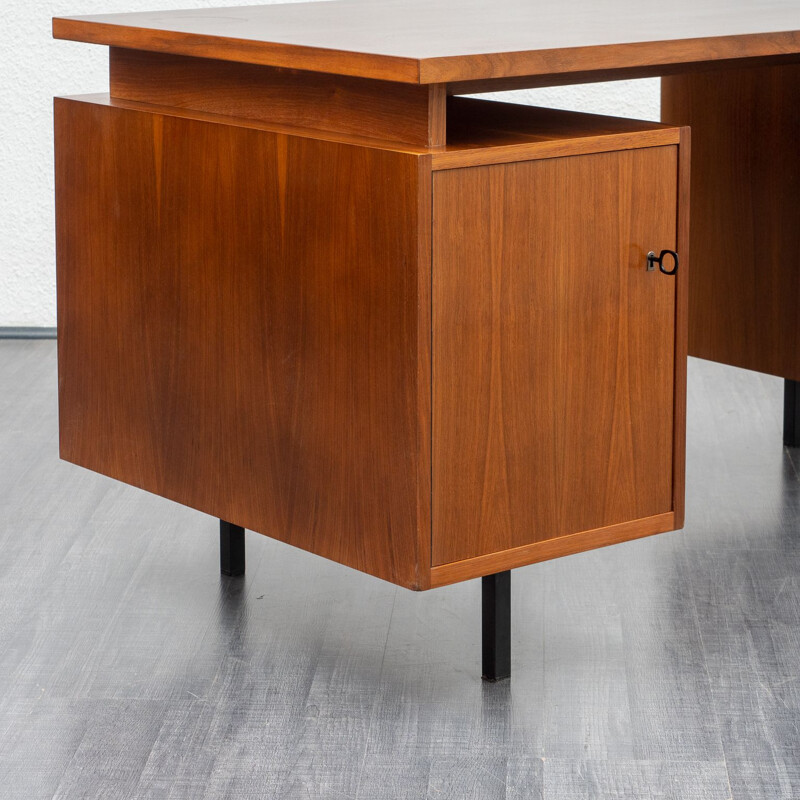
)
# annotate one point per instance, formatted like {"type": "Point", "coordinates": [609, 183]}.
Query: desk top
{"type": "Point", "coordinates": [439, 41]}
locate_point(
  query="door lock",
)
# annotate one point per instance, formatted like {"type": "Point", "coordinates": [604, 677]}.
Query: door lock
{"type": "Point", "coordinates": [653, 259]}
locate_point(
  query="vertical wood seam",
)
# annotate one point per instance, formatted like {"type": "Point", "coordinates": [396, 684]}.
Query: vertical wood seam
{"type": "Point", "coordinates": [432, 373]}
{"type": "Point", "coordinates": [683, 216]}
{"type": "Point", "coordinates": [437, 114]}
{"type": "Point", "coordinates": [424, 532]}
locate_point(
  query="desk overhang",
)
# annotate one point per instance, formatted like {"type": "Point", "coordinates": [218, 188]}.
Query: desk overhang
{"type": "Point", "coordinates": [466, 42]}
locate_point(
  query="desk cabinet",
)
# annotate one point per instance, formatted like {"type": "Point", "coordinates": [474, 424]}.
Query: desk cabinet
{"type": "Point", "coordinates": [427, 363]}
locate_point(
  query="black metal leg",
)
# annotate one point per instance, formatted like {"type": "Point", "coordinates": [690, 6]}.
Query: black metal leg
{"type": "Point", "coordinates": [496, 619]}
{"type": "Point", "coordinates": [231, 548]}
{"type": "Point", "coordinates": [791, 413]}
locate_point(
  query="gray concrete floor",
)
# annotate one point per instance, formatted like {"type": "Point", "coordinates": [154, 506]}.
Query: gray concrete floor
{"type": "Point", "coordinates": [661, 668]}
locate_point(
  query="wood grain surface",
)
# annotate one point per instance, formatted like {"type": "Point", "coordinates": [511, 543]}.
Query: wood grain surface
{"type": "Point", "coordinates": [249, 333]}
{"type": "Point", "coordinates": [415, 41]}
{"type": "Point", "coordinates": [558, 547]}
{"type": "Point", "coordinates": [554, 349]}
{"type": "Point", "coordinates": [478, 131]}
{"type": "Point", "coordinates": [239, 330]}
{"type": "Point", "coordinates": [590, 74]}
{"type": "Point", "coordinates": [745, 285]}
{"type": "Point", "coordinates": [377, 109]}
{"type": "Point", "coordinates": [474, 122]}
{"type": "Point", "coordinates": [490, 132]}
{"type": "Point", "coordinates": [105, 99]}
{"type": "Point", "coordinates": [684, 215]}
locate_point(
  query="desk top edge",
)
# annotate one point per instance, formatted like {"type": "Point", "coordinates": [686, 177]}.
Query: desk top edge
{"type": "Point", "coordinates": [389, 41]}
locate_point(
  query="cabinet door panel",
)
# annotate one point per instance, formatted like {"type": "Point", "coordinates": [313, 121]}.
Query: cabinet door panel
{"type": "Point", "coordinates": [553, 348]}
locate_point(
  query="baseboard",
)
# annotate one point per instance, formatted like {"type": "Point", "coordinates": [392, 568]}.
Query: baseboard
{"type": "Point", "coordinates": [26, 333]}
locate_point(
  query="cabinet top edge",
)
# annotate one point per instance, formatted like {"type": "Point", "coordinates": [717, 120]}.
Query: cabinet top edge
{"type": "Point", "coordinates": [479, 131]}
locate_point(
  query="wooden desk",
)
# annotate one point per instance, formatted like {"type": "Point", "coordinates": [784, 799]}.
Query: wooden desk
{"type": "Point", "coordinates": [304, 289]}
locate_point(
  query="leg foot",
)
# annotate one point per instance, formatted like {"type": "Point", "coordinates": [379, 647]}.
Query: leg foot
{"type": "Point", "coordinates": [791, 413]}
{"type": "Point", "coordinates": [496, 619]}
{"type": "Point", "coordinates": [231, 548]}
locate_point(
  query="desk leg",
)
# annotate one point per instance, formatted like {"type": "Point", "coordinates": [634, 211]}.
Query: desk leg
{"type": "Point", "coordinates": [231, 548]}
{"type": "Point", "coordinates": [791, 413]}
{"type": "Point", "coordinates": [496, 619]}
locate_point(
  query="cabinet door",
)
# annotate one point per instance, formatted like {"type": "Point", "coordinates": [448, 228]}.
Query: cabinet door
{"type": "Point", "coordinates": [553, 348]}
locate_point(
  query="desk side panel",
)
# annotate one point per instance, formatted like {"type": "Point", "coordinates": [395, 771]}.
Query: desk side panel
{"type": "Point", "coordinates": [744, 287]}
{"type": "Point", "coordinates": [238, 327]}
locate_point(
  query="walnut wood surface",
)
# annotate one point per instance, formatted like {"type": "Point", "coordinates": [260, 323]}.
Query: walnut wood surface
{"type": "Point", "coordinates": [239, 327]}
{"type": "Point", "coordinates": [554, 349]}
{"type": "Point", "coordinates": [456, 156]}
{"type": "Point", "coordinates": [105, 99]}
{"type": "Point", "coordinates": [377, 109]}
{"type": "Point", "coordinates": [535, 552]}
{"type": "Point", "coordinates": [474, 122]}
{"type": "Point", "coordinates": [416, 41]}
{"type": "Point", "coordinates": [489, 132]}
{"type": "Point", "coordinates": [745, 286]}
{"type": "Point", "coordinates": [249, 332]}
{"type": "Point", "coordinates": [594, 75]}
{"type": "Point", "coordinates": [682, 279]}
{"type": "Point", "coordinates": [479, 131]}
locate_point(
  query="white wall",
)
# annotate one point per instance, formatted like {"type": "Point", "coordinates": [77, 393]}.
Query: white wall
{"type": "Point", "coordinates": [35, 68]}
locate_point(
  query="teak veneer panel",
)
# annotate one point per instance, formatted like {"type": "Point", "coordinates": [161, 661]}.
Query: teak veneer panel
{"type": "Point", "coordinates": [474, 122]}
{"type": "Point", "coordinates": [358, 140]}
{"type": "Point", "coordinates": [595, 75]}
{"type": "Point", "coordinates": [491, 132]}
{"type": "Point", "coordinates": [554, 349]}
{"type": "Point", "coordinates": [239, 328]}
{"type": "Point", "coordinates": [492, 563]}
{"type": "Point", "coordinates": [250, 324]}
{"type": "Point", "coordinates": [745, 287]}
{"type": "Point", "coordinates": [416, 41]}
{"type": "Point", "coordinates": [377, 109]}
{"type": "Point", "coordinates": [474, 135]}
